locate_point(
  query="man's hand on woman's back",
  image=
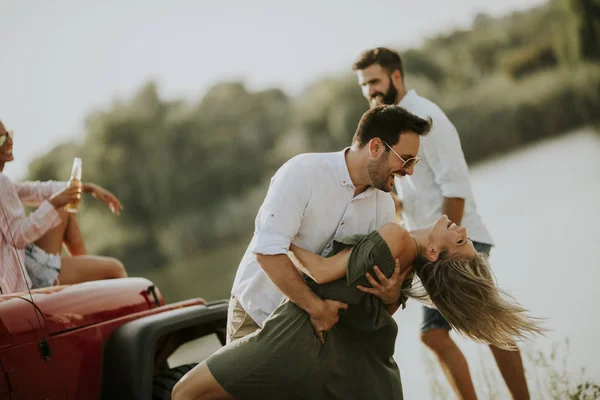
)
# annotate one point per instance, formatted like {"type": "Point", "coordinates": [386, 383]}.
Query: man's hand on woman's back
{"type": "Point", "coordinates": [325, 316]}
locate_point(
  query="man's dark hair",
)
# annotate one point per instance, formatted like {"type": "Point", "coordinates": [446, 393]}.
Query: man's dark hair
{"type": "Point", "coordinates": [389, 59]}
{"type": "Point", "coordinates": [387, 122]}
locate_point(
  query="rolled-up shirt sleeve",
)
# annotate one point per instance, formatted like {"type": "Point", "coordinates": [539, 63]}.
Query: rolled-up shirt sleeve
{"type": "Point", "coordinates": [33, 193]}
{"type": "Point", "coordinates": [15, 225]}
{"type": "Point", "coordinates": [443, 152]}
{"type": "Point", "coordinates": [280, 216]}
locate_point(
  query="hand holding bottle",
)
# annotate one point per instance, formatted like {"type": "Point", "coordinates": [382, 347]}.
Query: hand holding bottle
{"type": "Point", "coordinates": [69, 195]}
{"type": "Point", "coordinates": [98, 192]}
{"type": "Point", "coordinates": [74, 182]}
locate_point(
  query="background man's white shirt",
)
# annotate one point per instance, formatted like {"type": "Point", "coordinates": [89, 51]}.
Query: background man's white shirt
{"type": "Point", "coordinates": [442, 172]}
{"type": "Point", "coordinates": [310, 202]}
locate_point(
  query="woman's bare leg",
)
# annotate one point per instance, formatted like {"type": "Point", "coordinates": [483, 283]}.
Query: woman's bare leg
{"type": "Point", "coordinates": [73, 239]}
{"type": "Point", "coordinates": [52, 240]}
{"type": "Point", "coordinates": [67, 233]}
{"type": "Point", "coordinates": [199, 383]}
{"type": "Point", "coordinates": [78, 269]}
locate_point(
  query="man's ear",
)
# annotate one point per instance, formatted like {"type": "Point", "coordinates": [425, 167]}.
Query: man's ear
{"type": "Point", "coordinates": [376, 147]}
{"type": "Point", "coordinates": [397, 78]}
{"type": "Point", "coordinates": [431, 253]}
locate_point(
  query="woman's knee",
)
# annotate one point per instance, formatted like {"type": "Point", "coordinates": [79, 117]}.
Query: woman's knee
{"type": "Point", "coordinates": [199, 384]}
{"type": "Point", "coordinates": [64, 215]}
{"type": "Point", "coordinates": [115, 269]}
{"type": "Point", "coordinates": [185, 390]}
{"type": "Point", "coordinates": [180, 391]}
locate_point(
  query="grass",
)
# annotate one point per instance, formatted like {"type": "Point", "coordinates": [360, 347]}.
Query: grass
{"type": "Point", "coordinates": [547, 376]}
{"type": "Point", "coordinates": [208, 275]}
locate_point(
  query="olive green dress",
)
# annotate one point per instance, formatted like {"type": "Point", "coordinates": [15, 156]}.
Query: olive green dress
{"type": "Point", "coordinates": [286, 360]}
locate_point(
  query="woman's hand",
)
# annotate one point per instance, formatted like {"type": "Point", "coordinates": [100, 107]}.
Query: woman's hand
{"type": "Point", "coordinates": [105, 196]}
{"type": "Point", "coordinates": [387, 290]}
{"type": "Point", "coordinates": [65, 196]}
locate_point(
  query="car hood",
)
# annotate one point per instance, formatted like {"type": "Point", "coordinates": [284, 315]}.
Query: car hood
{"type": "Point", "coordinates": [64, 308]}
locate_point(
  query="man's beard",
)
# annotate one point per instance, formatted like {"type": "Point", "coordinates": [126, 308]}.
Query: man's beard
{"type": "Point", "coordinates": [379, 173]}
{"type": "Point", "coordinates": [388, 98]}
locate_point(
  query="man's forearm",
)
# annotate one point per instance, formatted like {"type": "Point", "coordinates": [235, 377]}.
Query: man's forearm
{"type": "Point", "coordinates": [280, 269]}
{"type": "Point", "coordinates": [454, 208]}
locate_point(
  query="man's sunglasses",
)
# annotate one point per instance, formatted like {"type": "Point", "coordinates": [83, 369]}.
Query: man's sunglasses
{"type": "Point", "coordinates": [5, 137]}
{"type": "Point", "coordinates": [411, 162]}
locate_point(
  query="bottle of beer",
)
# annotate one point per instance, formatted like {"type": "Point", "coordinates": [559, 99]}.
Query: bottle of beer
{"type": "Point", "coordinates": [74, 181]}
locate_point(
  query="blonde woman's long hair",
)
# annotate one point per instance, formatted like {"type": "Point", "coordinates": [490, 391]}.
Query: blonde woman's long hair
{"type": "Point", "coordinates": [465, 293]}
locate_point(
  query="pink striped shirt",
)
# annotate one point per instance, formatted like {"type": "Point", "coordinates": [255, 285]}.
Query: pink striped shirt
{"type": "Point", "coordinates": [24, 229]}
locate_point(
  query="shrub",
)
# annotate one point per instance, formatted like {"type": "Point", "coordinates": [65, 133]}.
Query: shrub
{"type": "Point", "coordinates": [500, 115]}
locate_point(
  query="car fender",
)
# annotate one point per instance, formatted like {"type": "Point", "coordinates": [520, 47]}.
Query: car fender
{"type": "Point", "coordinates": [128, 362]}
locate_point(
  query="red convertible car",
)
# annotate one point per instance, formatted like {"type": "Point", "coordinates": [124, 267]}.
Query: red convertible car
{"type": "Point", "coordinates": [108, 339]}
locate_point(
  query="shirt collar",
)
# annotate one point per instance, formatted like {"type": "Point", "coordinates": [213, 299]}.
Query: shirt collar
{"type": "Point", "coordinates": [407, 97]}
{"type": "Point", "coordinates": [345, 174]}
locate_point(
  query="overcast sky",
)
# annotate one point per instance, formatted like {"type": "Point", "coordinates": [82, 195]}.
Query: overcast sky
{"type": "Point", "coordinates": [60, 59]}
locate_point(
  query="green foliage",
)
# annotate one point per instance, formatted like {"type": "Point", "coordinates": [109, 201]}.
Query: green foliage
{"type": "Point", "coordinates": [467, 56]}
{"type": "Point", "coordinates": [589, 29]}
{"type": "Point", "coordinates": [328, 112]}
{"type": "Point", "coordinates": [501, 115]}
{"type": "Point", "coordinates": [530, 59]}
{"type": "Point", "coordinates": [548, 373]}
{"type": "Point", "coordinates": [578, 36]}
{"type": "Point", "coordinates": [178, 169]}
{"type": "Point", "coordinates": [423, 63]}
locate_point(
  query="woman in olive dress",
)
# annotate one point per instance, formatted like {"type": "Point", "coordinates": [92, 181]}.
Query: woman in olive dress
{"type": "Point", "coordinates": [287, 360]}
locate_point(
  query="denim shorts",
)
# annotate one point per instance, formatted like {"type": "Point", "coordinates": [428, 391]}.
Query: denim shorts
{"type": "Point", "coordinates": [42, 268]}
{"type": "Point", "coordinates": [431, 317]}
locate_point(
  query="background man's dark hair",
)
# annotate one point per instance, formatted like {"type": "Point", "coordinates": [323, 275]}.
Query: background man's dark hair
{"type": "Point", "coordinates": [389, 59]}
{"type": "Point", "coordinates": [387, 122]}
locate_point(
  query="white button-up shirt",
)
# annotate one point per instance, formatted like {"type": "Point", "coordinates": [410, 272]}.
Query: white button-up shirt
{"type": "Point", "coordinates": [442, 172]}
{"type": "Point", "coordinates": [310, 202]}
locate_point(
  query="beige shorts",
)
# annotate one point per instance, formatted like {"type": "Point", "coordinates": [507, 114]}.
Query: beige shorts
{"type": "Point", "coordinates": [239, 323]}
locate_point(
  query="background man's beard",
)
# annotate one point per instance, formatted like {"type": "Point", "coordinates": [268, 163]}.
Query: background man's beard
{"type": "Point", "coordinates": [388, 98]}
{"type": "Point", "coordinates": [376, 100]}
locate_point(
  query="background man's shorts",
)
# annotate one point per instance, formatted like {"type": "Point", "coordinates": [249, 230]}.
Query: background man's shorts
{"type": "Point", "coordinates": [42, 268]}
{"type": "Point", "coordinates": [431, 317]}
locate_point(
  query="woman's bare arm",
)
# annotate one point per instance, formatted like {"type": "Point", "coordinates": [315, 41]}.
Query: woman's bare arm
{"type": "Point", "coordinates": [402, 247]}
{"type": "Point", "coordinates": [325, 270]}
{"type": "Point", "coordinates": [319, 269]}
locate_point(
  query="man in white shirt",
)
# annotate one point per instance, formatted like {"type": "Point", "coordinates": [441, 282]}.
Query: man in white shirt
{"type": "Point", "coordinates": [440, 185]}
{"type": "Point", "coordinates": [314, 199]}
